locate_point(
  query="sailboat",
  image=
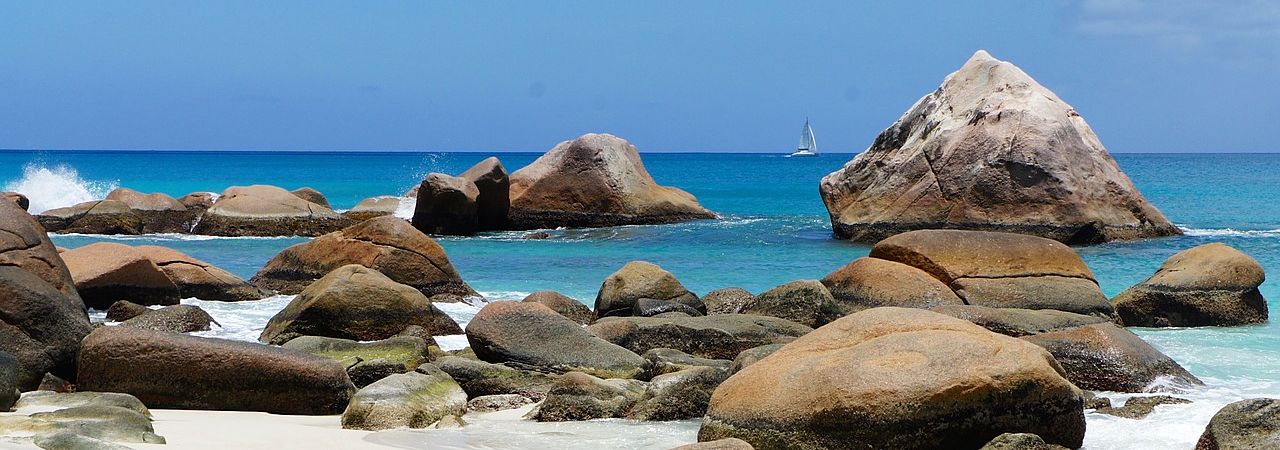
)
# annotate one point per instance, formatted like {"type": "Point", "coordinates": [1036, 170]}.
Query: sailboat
{"type": "Point", "coordinates": [808, 144]}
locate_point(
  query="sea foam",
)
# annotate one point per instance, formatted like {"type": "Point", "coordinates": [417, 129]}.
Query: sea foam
{"type": "Point", "coordinates": [56, 187]}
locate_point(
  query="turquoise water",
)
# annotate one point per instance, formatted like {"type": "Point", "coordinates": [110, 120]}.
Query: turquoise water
{"type": "Point", "coordinates": [773, 229]}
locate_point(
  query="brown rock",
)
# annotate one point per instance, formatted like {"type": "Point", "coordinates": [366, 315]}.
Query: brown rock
{"type": "Point", "coordinates": [358, 303]}
{"type": "Point", "coordinates": [806, 302]}
{"type": "Point", "coordinates": [991, 149]}
{"type": "Point", "coordinates": [1140, 407]}
{"type": "Point", "coordinates": [493, 203]}
{"type": "Point", "coordinates": [721, 336]}
{"type": "Point", "coordinates": [197, 200]}
{"type": "Point", "coordinates": [592, 181]}
{"type": "Point", "coordinates": [106, 272]}
{"type": "Point", "coordinates": [1017, 322]}
{"type": "Point", "coordinates": [1105, 357]}
{"type": "Point", "coordinates": [872, 282]}
{"type": "Point", "coordinates": [124, 310]}
{"type": "Point", "coordinates": [312, 196]}
{"type": "Point", "coordinates": [1209, 285]}
{"type": "Point", "coordinates": [386, 244]}
{"type": "Point", "coordinates": [1243, 425]}
{"type": "Point", "coordinates": [24, 244]}
{"type": "Point", "coordinates": [566, 306]}
{"type": "Point", "coordinates": [369, 208]}
{"type": "Point", "coordinates": [39, 326]}
{"type": "Point", "coordinates": [145, 202]}
{"type": "Point", "coordinates": [636, 280]}
{"type": "Point", "coordinates": [93, 217]}
{"type": "Point", "coordinates": [262, 210]}
{"type": "Point", "coordinates": [178, 371]}
{"type": "Point", "coordinates": [21, 200]}
{"type": "Point", "coordinates": [174, 319]}
{"type": "Point", "coordinates": [446, 205]}
{"type": "Point", "coordinates": [727, 300]}
{"type": "Point", "coordinates": [199, 279]}
{"type": "Point", "coordinates": [532, 335]}
{"type": "Point", "coordinates": [898, 378]}
{"type": "Point", "coordinates": [718, 444]}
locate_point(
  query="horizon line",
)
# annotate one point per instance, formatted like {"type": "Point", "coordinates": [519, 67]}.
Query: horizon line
{"type": "Point", "coordinates": [765, 152]}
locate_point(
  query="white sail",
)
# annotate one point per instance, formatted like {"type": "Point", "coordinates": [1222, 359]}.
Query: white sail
{"type": "Point", "coordinates": [808, 144]}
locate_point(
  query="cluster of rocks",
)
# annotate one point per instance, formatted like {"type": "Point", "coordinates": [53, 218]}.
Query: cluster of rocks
{"type": "Point", "coordinates": [593, 181]}
{"type": "Point", "coordinates": [107, 272]}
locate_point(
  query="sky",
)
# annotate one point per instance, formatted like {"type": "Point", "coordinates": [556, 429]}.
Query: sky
{"type": "Point", "coordinates": [715, 76]}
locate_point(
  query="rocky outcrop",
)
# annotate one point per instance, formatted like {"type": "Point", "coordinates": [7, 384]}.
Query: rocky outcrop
{"type": "Point", "coordinates": [367, 362]}
{"type": "Point", "coordinates": [897, 378]}
{"type": "Point", "coordinates": [145, 202]}
{"type": "Point", "coordinates": [311, 195]}
{"type": "Point", "coordinates": [1001, 270]}
{"type": "Point", "coordinates": [199, 279]}
{"type": "Point", "coordinates": [533, 336]}
{"type": "Point", "coordinates": [1018, 322]}
{"type": "Point", "coordinates": [446, 205]}
{"type": "Point", "coordinates": [721, 336]}
{"type": "Point", "coordinates": [872, 282]}
{"type": "Point", "coordinates": [480, 378]}
{"type": "Point", "coordinates": [727, 300]}
{"type": "Point", "coordinates": [262, 210]}
{"type": "Point", "coordinates": [178, 371]}
{"type": "Point", "coordinates": [92, 423]}
{"type": "Point", "coordinates": [1246, 424]}
{"type": "Point", "coordinates": [806, 302]}
{"type": "Point", "coordinates": [359, 303]}
{"type": "Point", "coordinates": [93, 217]}
{"type": "Point", "coordinates": [991, 149]}
{"type": "Point", "coordinates": [371, 207]}
{"type": "Point", "coordinates": [106, 272]}
{"type": "Point", "coordinates": [25, 244]}
{"type": "Point", "coordinates": [1105, 357]}
{"type": "Point", "coordinates": [563, 304]}
{"type": "Point", "coordinates": [493, 203]}
{"type": "Point", "coordinates": [413, 400]}
{"type": "Point", "coordinates": [174, 319]}
{"type": "Point", "coordinates": [21, 200]}
{"type": "Point", "coordinates": [1209, 285]}
{"type": "Point", "coordinates": [636, 280]}
{"type": "Point", "coordinates": [198, 200]}
{"type": "Point", "coordinates": [592, 181]}
{"type": "Point", "coordinates": [386, 244]}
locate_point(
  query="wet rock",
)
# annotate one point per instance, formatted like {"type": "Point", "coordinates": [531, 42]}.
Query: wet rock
{"type": "Point", "coordinates": [106, 272]}
{"type": "Point", "coordinates": [174, 319]}
{"type": "Point", "coordinates": [752, 355]}
{"type": "Point", "coordinates": [1246, 424]}
{"type": "Point", "coordinates": [720, 336]}
{"type": "Point", "coordinates": [1001, 270]}
{"type": "Point", "coordinates": [123, 310]}
{"type": "Point", "coordinates": [199, 279]}
{"type": "Point", "coordinates": [1105, 357]}
{"type": "Point", "coordinates": [872, 282]}
{"type": "Point", "coordinates": [806, 302]}
{"type": "Point", "coordinates": [1018, 322]}
{"type": "Point", "coordinates": [262, 210]}
{"type": "Point", "coordinates": [563, 304]}
{"type": "Point", "coordinates": [446, 205]}
{"type": "Point", "coordinates": [667, 360]}
{"type": "Point", "coordinates": [1209, 285]}
{"type": "Point", "coordinates": [168, 370]}
{"type": "Point", "coordinates": [537, 235]}
{"type": "Point", "coordinates": [311, 195]}
{"type": "Point", "coordinates": [595, 180]}
{"type": "Point", "coordinates": [636, 280]}
{"type": "Point", "coordinates": [534, 336]}
{"type": "Point", "coordinates": [415, 400]}
{"type": "Point", "coordinates": [371, 207]}
{"type": "Point", "coordinates": [39, 326]}
{"type": "Point", "coordinates": [678, 395]}
{"type": "Point", "coordinates": [1020, 441]}
{"type": "Point", "coordinates": [493, 201]}
{"type": "Point", "coordinates": [386, 244]}
{"type": "Point", "coordinates": [647, 307]}
{"type": "Point", "coordinates": [355, 302]}
{"type": "Point", "coordinates": [993, 150]}
{"type": "Point", "coordinates": [479, 378]}
{"type": "Point", "coordinates": [887, 378]}
{"type": "Point", "coordinates": [579, 396]}
{"type": "Point", "coordinates": [727, 300]}
{"type": "Point", "coordinates": [490, 403]}
{"type": "Point", "coordinates": [1139, 407]}
{"type": "Point", "coordinates": [103, 422]}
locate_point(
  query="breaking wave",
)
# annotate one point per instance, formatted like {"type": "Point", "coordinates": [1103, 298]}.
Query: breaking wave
{"type": "Point", "coordinates": [56, 187]}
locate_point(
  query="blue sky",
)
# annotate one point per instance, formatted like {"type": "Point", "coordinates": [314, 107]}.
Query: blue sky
{"type": "Point", "coordinates": [1149, 76]}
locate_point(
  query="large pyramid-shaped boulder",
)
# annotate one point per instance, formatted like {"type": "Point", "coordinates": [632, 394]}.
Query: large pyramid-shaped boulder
{"type": "Point", "coordinates": [593, 181]}
{"type": "Point", "coordinates": [991, 149]}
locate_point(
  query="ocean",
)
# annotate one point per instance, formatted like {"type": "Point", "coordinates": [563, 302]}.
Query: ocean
{"type": "Point", "coordinates": [773, 229]}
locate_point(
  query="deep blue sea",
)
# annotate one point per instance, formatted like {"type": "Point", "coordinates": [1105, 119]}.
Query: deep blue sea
{"type": "Point", "coordinates": [773, 229]}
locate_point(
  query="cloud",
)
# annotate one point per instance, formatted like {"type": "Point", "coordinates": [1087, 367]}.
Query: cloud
{"type": "Point", "coordinates": [1244, 28]}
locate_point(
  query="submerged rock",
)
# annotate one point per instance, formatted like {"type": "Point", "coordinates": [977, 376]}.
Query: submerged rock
{"type": "Point", "coordinates": [593, 181]}
{"type": "Point", "coordinates": [991, 149]}
{"type": "Point", "coordinates": [721, 336]}
{"type": "Point", "coordinates": [636, 280]}
{"type": "Point", "coordinates": [356, 302]}
{"type": "Point", "coordinates": [897, 378]}
{"type": "Point", "coordinates": [1246, 424]}
{"type": "Point", "coordinates": [386, 244]}
{"type": "Point", "coordinates": [1105, 357]}
{"type": "Point", "coordinates": [1209, 285]}
{"type": "Point", "coordinates": [178, 371]}
{"type": "Point", "coordinates": [532, 335]}
{"type": "Point", "coordinates": [1139, 407]}
{"type": "Point", "coordinates": [262, 210]}
{"type": "Point", "coordinates": [414, 400]}
{"type": "Point", "coordinates": [106, 272]}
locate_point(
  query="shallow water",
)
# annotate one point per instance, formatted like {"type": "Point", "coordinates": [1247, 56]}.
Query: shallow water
{"type": "Point", "coordinates": [773, 229]}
